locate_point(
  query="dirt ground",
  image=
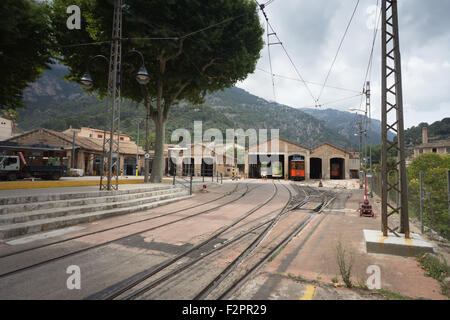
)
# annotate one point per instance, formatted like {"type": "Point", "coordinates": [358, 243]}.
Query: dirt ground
{"type": "Point", "coordinates": [308, 264]}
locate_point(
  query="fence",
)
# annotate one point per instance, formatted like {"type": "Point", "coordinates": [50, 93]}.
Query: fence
{"type": "Point", "coordinates": [435, 200]}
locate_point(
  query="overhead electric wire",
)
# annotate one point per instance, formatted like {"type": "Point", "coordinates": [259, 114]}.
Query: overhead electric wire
{"type": "Point", "coordinates": [190, 34]}
{"type": "Point", "coordinates": [309, 82]}
{"type": "Point", "coordinates": [375, 33]}
{"type": "Point", "coordinates": [368, 73]}
{"type": "Point", "coordinates": [284, 49]}
{"type": "Point", "coordinates": [336, 101]}
{"type": "Point", "coordinates": [338, 51]}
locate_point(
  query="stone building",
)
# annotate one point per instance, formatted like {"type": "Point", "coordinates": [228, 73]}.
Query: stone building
{"type": "Point", "coordinates": [201, 159]}
{"type": "Point", "coordinates": [427, 146]}
{"type": "Point", "coordinates": [88, 149]}
{"type": "Point", "coordinates": [325, 161]}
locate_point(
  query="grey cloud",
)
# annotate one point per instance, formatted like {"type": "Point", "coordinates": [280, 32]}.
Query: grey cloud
{"type": "Point", "coordinates": [311, 31]}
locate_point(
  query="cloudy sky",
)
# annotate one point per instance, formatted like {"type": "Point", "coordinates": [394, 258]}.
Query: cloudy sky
{"type": "Point", "coordinates": [311, 32]}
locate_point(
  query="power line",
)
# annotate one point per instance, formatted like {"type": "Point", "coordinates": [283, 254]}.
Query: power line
{"type": "Point", "coordinates": [262, 6]}
{"type": "Point", "coordinates": [338, 50]}
{"type": "Point", "coordinates": [368, 73]}
{"type": "Point", "coordinates": [336, 101]}
{"type": "Point", "coordinates": [371, 56]}
{"type": "Point", "coordinates": [309, 82]}
{"type": "Point", "coordinates": [187, 35]}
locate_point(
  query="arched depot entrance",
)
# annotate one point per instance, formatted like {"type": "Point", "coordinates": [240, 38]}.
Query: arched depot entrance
{"type": "Point", "coordinates": [268, 166]}
{"type": "Point", "coordinates": [207, 167]}
{"type": "Point", "coordinates": [337, 169]}
{"type": "Point", "coordinates": [188, 167]}
{"type": "Point", "coordinates": [315, 168]}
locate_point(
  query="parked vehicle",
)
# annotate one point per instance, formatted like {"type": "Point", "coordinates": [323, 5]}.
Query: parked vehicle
{"type": "Point", "coordinates": [265, 170]}
{"type": "Point", "coordinates": [16, 167]}
{"type": "Point", "coordinates": [277, 169]}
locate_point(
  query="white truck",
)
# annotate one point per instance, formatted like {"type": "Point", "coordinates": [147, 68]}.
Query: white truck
{"type": "Point", "coordinates": [15, 167]}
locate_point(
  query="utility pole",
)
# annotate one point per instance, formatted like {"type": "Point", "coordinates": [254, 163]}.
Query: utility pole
{"type": "Point", "coordinates": [421, 199]}
{"type": "Point", "coordinates": [448, 197]}
{"type": "Point", "coordinates": [137, 151]}
{"type": "Point", "coordinates": [72, 165]}
{"type": "Point", "coordinates": [368, 126]}
{"type": "Point", "coordinates": [111, 145]}
{"type": "Point", "coordinates": [360, 133]}
{"type": "Point", "coordinates": [392, 119]}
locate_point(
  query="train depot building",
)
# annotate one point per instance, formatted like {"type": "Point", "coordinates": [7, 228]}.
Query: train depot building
{"type": "Point", "coordinates": [201, 159]}
{"type": "Point", "coordinates": [204, 159]}
{"type": "Point", "coordinates": [296, 162]}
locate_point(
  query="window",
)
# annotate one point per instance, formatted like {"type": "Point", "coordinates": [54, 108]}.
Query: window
{"type": "Point", "coordinates": [100, 136]}
{"type": "Point", "coordinates": [420, 151]}
{"type": "Point", "coordinates": [121, 138]}
{"type": "Point", "coordinates": [434, 150]}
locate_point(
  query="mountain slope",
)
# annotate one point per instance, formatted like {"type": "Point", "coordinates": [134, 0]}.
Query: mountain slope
{"type": "Point", "coordinates": [345, 124]}
{"type": "Point", "coordinates": [55, 104]}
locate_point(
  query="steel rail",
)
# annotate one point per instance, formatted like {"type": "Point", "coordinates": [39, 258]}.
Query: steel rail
{"type": "Point", "coordinates": [117, 292]}
{"type": "Point", "coordinates": [118, 239]}
{"type": "Point", "coordinates": [232, 266]}
{"type": "Point", "coordinates": [119, 226]}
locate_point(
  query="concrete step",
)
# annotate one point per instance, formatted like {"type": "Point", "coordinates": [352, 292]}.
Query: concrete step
{"type": "Point", "coordinates": [33, 206]}
{"type": "Point", "coordinates": [4, 201]}
{"type": "Point", "coordinates": [17, 229]}
{"type": "Point", "coordinates": [83, 209]}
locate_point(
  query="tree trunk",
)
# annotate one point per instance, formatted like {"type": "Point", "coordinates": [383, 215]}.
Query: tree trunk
{"type": "Point", "coordinates": [158, 161]}
{"type": "Point", "coordinates": [147, 145]}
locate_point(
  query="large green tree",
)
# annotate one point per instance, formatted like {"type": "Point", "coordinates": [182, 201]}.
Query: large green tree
{"type": "Point", "coordinates": [185, 67]}
{"type": "Point", "coordinates": [25, 47]}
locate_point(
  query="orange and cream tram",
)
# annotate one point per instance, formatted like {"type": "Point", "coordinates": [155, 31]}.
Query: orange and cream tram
{"type": "Point", "coordinates": [297, 168]}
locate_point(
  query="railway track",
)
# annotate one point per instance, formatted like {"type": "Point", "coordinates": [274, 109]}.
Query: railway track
{"type": "Point", "coordinates": [122, 288]}
{"type": "Point", "coordinates": [252, 267]}
{"type": "Point", "coordinates": [250, 233]}
{"type": "Point", "coordinates": [143, 284]}
{"type": "Point", "coordinates": [79, 251]}
{"type": "Point", "coordinates": [118, 226]}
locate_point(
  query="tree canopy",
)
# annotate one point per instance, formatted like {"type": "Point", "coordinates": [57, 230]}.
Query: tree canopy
{"type": "Point", "coordinates": [25, 47]}
{"type": "Point", "coordinates": [213, 59]}
{"type": "Point", "coordinates": [190, 47]}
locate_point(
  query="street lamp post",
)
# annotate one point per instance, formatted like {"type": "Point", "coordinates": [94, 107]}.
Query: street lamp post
{"type": "Point", "coordinates": [137, 149]}
{"type": "Point", "coordinates": [86, 81]}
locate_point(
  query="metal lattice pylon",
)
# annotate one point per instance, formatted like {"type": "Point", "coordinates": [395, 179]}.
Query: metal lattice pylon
{"type": "Point", "coordinates": [392, 120]}
{"type": "Point", "coordinates": [111, 155]}
{"type": "Point", "coordinates": [367, 122]}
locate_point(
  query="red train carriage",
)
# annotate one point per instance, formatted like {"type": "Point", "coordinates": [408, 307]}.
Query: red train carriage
{"type": "Point", "coordinates": [297, 168]}
{"type": "Point", "coordinates": [335, 171]}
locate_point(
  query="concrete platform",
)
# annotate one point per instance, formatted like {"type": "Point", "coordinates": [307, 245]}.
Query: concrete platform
{"type": "Point", "coordinates": [393, 245]}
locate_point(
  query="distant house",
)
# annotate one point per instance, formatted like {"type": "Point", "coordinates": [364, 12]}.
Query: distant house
{"type": "Point", "coordinates": [439, 147]}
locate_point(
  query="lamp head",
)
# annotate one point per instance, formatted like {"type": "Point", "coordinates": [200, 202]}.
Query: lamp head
{"type": "Point", "coordinates": [142, 77]}
{"type": "Point", "coordinates": [86, 81]}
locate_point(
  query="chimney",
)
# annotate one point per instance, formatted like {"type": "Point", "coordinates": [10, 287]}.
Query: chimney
{"type": "Point", "coordinates": [424, 135]}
